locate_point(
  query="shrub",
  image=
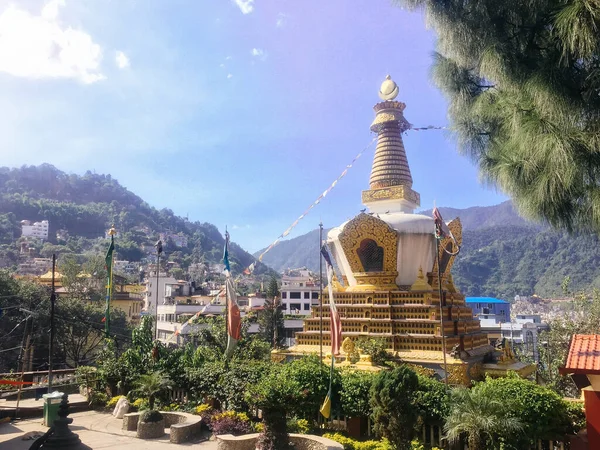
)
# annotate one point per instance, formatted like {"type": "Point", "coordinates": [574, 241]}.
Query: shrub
{"type": "Point", "coordinates": [202, 409]}
{"type": "Point", "coordinates": [171, 407]}
{"type": "Point", "coordinates": [384, 444]}
{"type": "Point", "coordinates": [576, 415]}
{"type": "Point", "coordinates": [230, 422]}
{"type": "Point", "coordinates": [150, 416]}
{"type": "Point", "coordinates": [98, 400]}
{"type": "Point", "coordinates": [113, 401]}
{"type": "Point", "coordinates": [299, 426]}
{"type": "Point", "coordinates": [140, 404]}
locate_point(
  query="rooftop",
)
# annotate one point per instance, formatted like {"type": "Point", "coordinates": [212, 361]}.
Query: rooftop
{"type": "Point", "coordinates": [484, 300]}
{"type": "Point", "coordinates": [584, 355]}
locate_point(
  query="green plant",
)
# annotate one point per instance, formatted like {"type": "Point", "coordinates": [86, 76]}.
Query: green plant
{"type": "Point", "coordinates": [151, 385]}
{"type": "Point", "coordinates": [97, 399]}
{"type": "Point", "coordinates": [171, 407]}
{"type": "Point", "coordinates": [230, 422]}
{"type": "Point", "coordinates": [150, 416]}
{"type": "Point", "coordinates": [375, 348]}
{"type": "Point", "coordinates": [354, 395]}
{"type": "Point", "coordinates": [140, 404]}
{"type": "Point", "coordinates": [299, 426]}
{"type": "Point", "coordinates": [394, 409]}
{"type": "Point", "coordinates": [113, 401]}
{"type": "Point", "coordinates": [576, 415]}
{"type": "Point", "coordinates": [202, 409]}
{"type": "Point", "coordinates": [354, 444]}
{"type": "Point", "coordinates": [481, 417]}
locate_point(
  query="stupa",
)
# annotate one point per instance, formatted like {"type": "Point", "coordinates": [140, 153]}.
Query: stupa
{"type": "Point", "coordinates": [389, 286]}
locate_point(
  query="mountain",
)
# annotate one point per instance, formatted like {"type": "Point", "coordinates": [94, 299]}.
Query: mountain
{"type": "Point", "coordinates": [81, 208]}
{"type": "Point", "coordinates": [502, 254]}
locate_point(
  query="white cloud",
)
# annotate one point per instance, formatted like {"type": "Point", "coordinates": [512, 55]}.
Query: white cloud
{"type": "Point", "coordinates": [228, 58]}
{"type": "Point", "coordinates": [281, 20]}
{"type": "Point", "coordinates": [229, 76]}
{"type": "Point", "coordinates": [259, 53]}
{"type": "Point", "coordinates": [222, 66]}
{"type": "Point", "coordinates": [121, 60]}
{"type": "Point", "coordinates": [246, 6]}
{"type": "Point", "coordinates": [39, 47]}
{"type": "Point", "coordinates": [241, 227]}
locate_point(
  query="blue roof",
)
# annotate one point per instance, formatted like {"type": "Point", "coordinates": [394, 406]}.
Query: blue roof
{"type": "Point", "coordinates": [484, 300]}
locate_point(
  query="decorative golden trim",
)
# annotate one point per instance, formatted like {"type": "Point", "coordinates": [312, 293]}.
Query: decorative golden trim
{"type": "Point", "coordinates": [399, 192]}
{"type": "Point", "coordinates": [369, 281]}
{"type": "Point", "coordinates": [447, 243]}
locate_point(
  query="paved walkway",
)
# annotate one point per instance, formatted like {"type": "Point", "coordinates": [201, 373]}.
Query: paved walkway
{"type": "Point", "coordinates": [33, 403]}
{"type": "Point", "coordinates": [95, 429]}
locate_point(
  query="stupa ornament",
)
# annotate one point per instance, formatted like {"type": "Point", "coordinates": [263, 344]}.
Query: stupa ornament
{"type": "Point", "coordinates": [389, 89]}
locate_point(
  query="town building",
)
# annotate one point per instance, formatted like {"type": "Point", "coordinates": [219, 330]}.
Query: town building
{"type": "Point", "coordinates": [489, 305]}
{"type": "Point", "coordinates": [299, 292]}
{"type": "Point", "coordinates": [156, 289]}
{"type": "Point", "coordinates": [37, 230]}
{"type": "Point", "coordinates": [128, 298]}
{"type": "Point", "coordinates": [388, 285]}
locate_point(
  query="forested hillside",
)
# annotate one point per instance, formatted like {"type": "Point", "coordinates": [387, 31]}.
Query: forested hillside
{"type": "Point", "coordinates": [82, 208]}
{"type": "Point", "coordinates": [502, 255]}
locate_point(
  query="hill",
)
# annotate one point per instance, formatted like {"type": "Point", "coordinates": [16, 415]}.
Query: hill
{"type": "Point", "coordinates": [81, 208]}
{"type": "Point", "coordinates": [502, 255]}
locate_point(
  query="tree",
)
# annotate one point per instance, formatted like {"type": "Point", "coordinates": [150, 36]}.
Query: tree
{"type": "Point", "coordinates": [270, 319]}
{"type": "Point", "coordinates": [483, 419]}
{"type": "Point", "coordinates": [313, 378]}
{"type": "Point", "coordinates": [274, 394]}
{"type": "Point", "coordinates": [354, 395]}
{"type": "Point", "coordinates": [152, 384]}
{"type": "Point", "coordinates": [522, 79]}
{"type": "Point", "coordinates": [394, 411]}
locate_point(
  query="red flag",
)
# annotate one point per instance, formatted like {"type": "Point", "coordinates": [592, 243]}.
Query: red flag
{"type": "Point", "coordinates": [441, 229]}
{"type": "Point", "coordinates": [104, 319]}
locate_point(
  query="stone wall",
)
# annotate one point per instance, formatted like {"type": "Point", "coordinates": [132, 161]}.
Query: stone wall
{"type": "Point", "coordinates": [300, 441]}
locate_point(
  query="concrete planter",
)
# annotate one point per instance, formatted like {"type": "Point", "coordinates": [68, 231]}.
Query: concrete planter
{"type": "Point", "coordinates": [151, 430]}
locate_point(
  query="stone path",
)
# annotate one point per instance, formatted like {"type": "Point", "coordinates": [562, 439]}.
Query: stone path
{"type": "Point", "coordinates": [95, 429]}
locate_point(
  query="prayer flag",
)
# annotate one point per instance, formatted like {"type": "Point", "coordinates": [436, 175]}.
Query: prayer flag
{"type": "Point", "coordinates": [109, 275]}
{"type": "Point", "coordinates": [234, 319]}
{"type": "Point", "coordinates": [334, 316]}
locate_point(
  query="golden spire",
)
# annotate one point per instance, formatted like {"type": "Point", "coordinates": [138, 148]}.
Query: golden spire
{"type": "Point", "coordinates": [390, 175]}
{"type": "Point", "coordinates": [112, 231]}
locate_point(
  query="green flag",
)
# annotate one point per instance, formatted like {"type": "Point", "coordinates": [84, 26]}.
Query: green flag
{"type": "Point", "coordinates": [109, 270]}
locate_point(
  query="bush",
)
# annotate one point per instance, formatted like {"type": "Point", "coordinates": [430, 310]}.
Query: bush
{"type": "Point", "coordinates": [202, 409]}
{"type": "Point", "coordinates": [140, 404]}
{"type": "Point", "coordinates": [98, 400]}
{"type": "Point", "coordinates": [299, 426]}
{"type": "Point", "coordinates": [150, 416]}
{"type": "Point", "coordinates": [171, 407]}
{"type": "Point", "coordinates": [230, 422]}
{"type": "Point", "coordinates": [113, 401]}
{"type": "Point", "coordinates": [576, 414]}
{"type": "Point", "coordinates": [353, 444]}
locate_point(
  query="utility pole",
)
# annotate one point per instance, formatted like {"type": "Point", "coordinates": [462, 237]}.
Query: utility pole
{"type": "Point", "coordinates": [159, 249]}
{"type": "Point", "coordinates": [441, 295]}
{"type": "Point", "coordinates": [52, 302]}
{"type": "Point", "coordinates": [321, 291]}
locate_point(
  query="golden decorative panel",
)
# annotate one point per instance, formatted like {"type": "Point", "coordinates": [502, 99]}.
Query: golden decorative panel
{"type": "Point", "coordinates": [362, 227]}
{"type": "Point", "coordinates": [399, 192]}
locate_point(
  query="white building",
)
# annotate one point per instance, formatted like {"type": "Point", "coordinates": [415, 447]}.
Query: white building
{"type": "Point", "coordinates": [173, 327]}
{"type": "Point", "coordinates": [523, 333]}
{"type": "Point", "coordinates": [152, 292]}
{"type": "Point", "coordinates": [299, 292]}
{"type": "Point", "coordinates": [36, 229]}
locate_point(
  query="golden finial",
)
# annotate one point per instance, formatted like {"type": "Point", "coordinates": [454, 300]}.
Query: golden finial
{"type": "Point", "coordinates": [112, 231]}
{"type": "Point", "coordinates": [421, 283]}
{"type": "Point", "coordinates": [389, 89]}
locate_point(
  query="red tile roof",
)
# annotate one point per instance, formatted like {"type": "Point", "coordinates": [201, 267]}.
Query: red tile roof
{"type": "Point", "coordinates": [584, 355]}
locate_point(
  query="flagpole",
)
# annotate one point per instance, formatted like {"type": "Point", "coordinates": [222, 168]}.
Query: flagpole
{"type": "Point", "coordinates": [159, 250]}
{"type": "Point", "coordinates": [226, 252]}
{"type": "Point", "coordinates": [321, 289]}
{"type": "Point", "coordinates": [51, 346]}
{"type": "Point", "coordinates": [441, 294]}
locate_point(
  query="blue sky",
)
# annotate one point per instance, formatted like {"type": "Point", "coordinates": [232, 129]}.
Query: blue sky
{"type": "Point", "coordinates": [237, 113]}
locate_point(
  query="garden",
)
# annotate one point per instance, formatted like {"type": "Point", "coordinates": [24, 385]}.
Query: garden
{"type": "Point", "coordinates": [400, 407]}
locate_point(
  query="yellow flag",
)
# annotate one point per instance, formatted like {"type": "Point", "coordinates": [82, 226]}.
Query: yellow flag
{"type": "Point", "coordinates": [326, 408]}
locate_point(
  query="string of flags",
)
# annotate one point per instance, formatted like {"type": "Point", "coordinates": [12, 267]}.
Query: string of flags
{"type": "Point", "coordinates": [328, 190]}
{"type": "Point", "coordinates": [318, 200]}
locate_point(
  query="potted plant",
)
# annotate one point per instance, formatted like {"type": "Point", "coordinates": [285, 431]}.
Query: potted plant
{"type": "Point", "coordinates": [151, 423]}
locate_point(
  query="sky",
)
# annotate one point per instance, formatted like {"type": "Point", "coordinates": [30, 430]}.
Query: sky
{"type": "Point", "coordinates": [234, 112]}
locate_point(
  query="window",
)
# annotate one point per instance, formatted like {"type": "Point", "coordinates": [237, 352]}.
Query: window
{"type": "Point", "coordinates": [307, 295]}
{"type": "Point", "coordinates": [307, 307]}
{"type": "Point", "coordinates": [295, 295]}
{"type": "Point", "coordinates": [295, 306]}
{"type": "Point", "coordinates": [371, 255]}
{"type": "Point", "coordinates": [301, 284]}
{"type": "Point", "coordinates": [315, 295]}
{"type": "Point", "coordinates": [284, 295]}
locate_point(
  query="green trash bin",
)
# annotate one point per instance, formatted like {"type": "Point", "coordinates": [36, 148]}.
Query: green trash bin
{"type": "Point", "coordinates": [51, 405]}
